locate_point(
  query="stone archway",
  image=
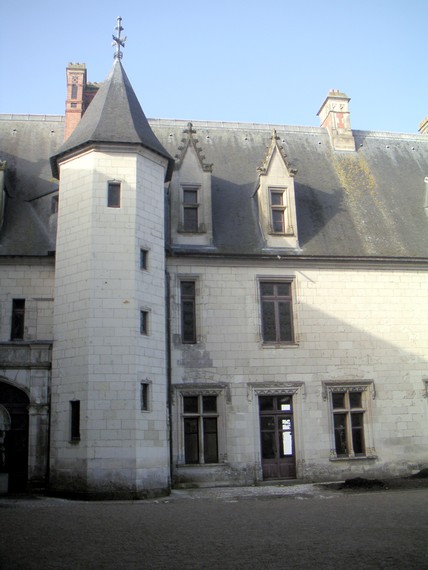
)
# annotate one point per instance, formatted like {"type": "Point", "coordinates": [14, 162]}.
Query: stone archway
{"type": "Point", "coordinates": [15, 444]}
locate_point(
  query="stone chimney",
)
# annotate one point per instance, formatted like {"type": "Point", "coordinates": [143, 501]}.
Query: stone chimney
{"type": "Point", "coordinates": [79, 95]}
{"type": "Point", "coordinates": [423, 127]}
{"type": "Point", "coordinates": [335, 117]}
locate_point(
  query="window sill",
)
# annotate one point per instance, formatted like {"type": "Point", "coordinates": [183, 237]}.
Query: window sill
{"type": "Point", "coordinates": [359, 458]}
{"type": "Point", "coordinates": [199, 465]}
{"type": "Point", "coordinates": [279, 344]}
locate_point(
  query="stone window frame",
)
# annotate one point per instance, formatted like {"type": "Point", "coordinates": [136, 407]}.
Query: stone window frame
{"type": "Point", "coordinates": [17, 326]}
{"type": "Point", "coordinates": [367, 389]}
{"type": "Point", "coordinates": [218, 390]}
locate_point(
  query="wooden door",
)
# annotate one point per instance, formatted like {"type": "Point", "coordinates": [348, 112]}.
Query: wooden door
{"type": "Point", "coordinates": [277, 437]}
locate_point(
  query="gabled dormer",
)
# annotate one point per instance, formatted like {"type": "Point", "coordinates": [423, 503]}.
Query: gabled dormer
{"type": "Point", "coordinates": [276, 198]}
{"type": "Point", "coordinates": [191, 215]}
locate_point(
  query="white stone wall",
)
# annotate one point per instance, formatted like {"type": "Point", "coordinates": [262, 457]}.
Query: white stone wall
{"type": "Point", "coordinates": [351, 324]}
{"type": "Point", "coordinates": [100, 357]}
{"type": "Point", "coordinates": [34, 283]}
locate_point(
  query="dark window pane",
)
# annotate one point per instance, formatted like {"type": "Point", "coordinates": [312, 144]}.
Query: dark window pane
{"type": "Point", "coordinates": [276, 198]}
{"type": "Point", "coordinates": [190, 219]}
{"type": "Point", "coordinates": [266, 289]}
{"type": "Point", "coordinates": [266, 402]}
{"type": "Point", "coordinates": [355, 399]}
{"type": "Point", "coordinates": [338, 400]}
{"type": "Point", "coordinates": [210, 440]}
{"type": "Point", "coordinates": [268, 445]}
{"type": "Point", "coordinates": [278, 221]}
{"type": "Point", "coordinates": [267, 423]}
{"type": "Point", "coordinates": [283, 289]}
{"type": "Point", "coordinates": [268, 321]}
{"type": "Point", "coordinates": [144, 318]}
{"type": "Point", "coordinates": [18, 318]}
{"type": "Point", "coordinates": [75, 419]}
{"type": "Point", "coordinates": [191, 440]}
{"type": "Point", "coordinates": [188, 314]}
{"type": "Point", "coordinates": [74, 91]}
{"type": "Point", "coordinates": [190, 404]}
{"type": "Point", "coordinates": [285, 331]}
{"type": "Point", "coordinates": [187, 289]}
{"type": "Point", "coordinates": [188, 321]}
{"type": "Point", "coordinates": [357, 433]}
{"type": "Point", "coordinates": [209, 404]}
{"type": "Point", "coordinates": [144, 396]}
{"type": "Point", "coordinates": [143, 258]}
{"type": "Point", "coordinates": [190, 196]}
{"type": "Point", "coordinates": [340, 434]}
{"type": "Point", "coordinates": [113, 199]}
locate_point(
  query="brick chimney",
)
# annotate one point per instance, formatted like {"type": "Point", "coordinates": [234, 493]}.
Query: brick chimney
{"type": "Point", "coordinates": [79, 95]}
{"type": "Point", "coordinates": [423, 127]}
{"type": "Point", "coordinates": [335, 117]}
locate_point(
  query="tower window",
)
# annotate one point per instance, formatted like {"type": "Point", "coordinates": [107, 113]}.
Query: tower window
{"type": "Point", "coordinates": [113, 195]}
{"type": "Point", "coordinates": [143, 258]}
{"type": "Point", "coordinates": [144, 322]}
{"type": "Point", "coordinates": [144, 395]}
{"type": "Point", "coordinates": [74, 91]}
{"type": "Point", "coordinates": [18, 319]}
{"type": "Point", "coordinates": [75, 420]}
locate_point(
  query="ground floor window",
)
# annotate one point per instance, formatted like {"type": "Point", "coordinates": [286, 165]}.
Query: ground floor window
{"type": "Point", "coordinates": [200, 422]}
{"type": "Point", "coordinates": [351, 420]}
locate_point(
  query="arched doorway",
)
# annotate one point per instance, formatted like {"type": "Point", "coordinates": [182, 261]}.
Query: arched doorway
{"type": "Point", "coordinates": [15, 462]}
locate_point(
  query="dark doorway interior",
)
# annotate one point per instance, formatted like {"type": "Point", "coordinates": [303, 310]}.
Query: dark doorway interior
{"type": "Point", "coordinates": [16, 403]}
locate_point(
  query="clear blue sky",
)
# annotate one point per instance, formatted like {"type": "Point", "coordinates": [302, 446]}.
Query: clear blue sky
{"type": "Point", "coordinates": [270, 61]}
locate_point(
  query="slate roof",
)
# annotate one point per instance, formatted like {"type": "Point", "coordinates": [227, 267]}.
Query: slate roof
{"type": "Point", "coordinates": [114, 116]}
{"type": "Point", "coordinates": [367, 203]}
{"type": "Point", "coordinates": [364, 204]}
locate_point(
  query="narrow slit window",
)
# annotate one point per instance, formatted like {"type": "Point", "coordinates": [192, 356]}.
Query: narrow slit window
{"type": "Point", "coordinates": [144, 322]}
{"type": "Point", "coordinates": [188, 312]}
{"type": "Point", "coordinates": [143, 258]}
{"type": "Point", "coordinates": [18, 319]}
{"type": "Point", "coordinates": [113, 195]}
{"type": "Point", "coordinates": [75, 420]}
{"type": "Point", "coordinates": [144, 396]}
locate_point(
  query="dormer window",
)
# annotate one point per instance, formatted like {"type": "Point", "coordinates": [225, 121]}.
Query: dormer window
{"type": "Point", "coordinates": [190, 195]}
{"type": "Point", "coordinates": [277, 208]}
{"type": "Point", "coordinates": [190, 210]}
{"type": "Point", "coordinates": [276, 199]}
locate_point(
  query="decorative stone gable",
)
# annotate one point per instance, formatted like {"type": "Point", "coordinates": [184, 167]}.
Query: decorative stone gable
{"type": "Point", "coordinates": [276, 198]}
{"type": "Point", "coordinates": [191, 209]}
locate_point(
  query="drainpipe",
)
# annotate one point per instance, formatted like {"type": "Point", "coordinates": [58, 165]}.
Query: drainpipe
{"type": "Point", "coordinates": [426, 195]}
{"type": "Point", "coordinates": [168, 369]}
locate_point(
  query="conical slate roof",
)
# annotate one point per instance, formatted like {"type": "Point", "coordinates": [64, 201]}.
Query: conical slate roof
{"type": "Point", "coordinates": [114, 116]}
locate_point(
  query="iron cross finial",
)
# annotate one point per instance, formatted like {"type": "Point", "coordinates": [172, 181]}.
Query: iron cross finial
{"type": "Point", "coordinates": [118, 42]}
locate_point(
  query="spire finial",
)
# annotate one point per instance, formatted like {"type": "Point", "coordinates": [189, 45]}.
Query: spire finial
{"type": "Point", "coordinates": [118, 42]}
